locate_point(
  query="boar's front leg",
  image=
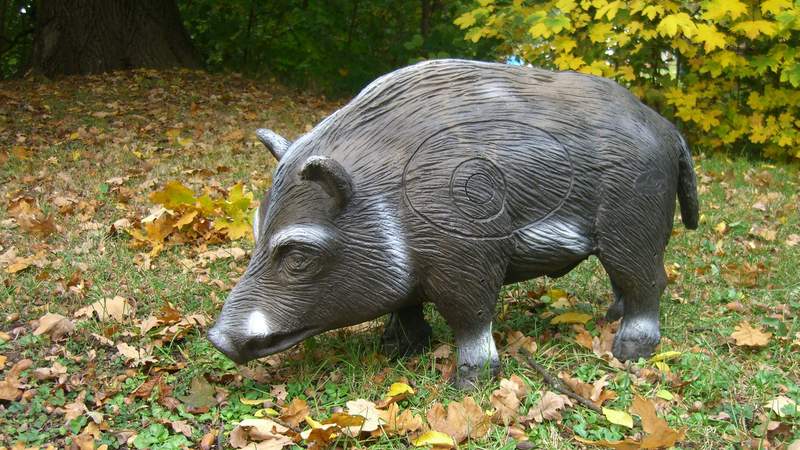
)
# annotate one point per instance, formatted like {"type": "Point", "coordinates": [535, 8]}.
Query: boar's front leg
{"type": "Point", "coordinates": [406, 333]}
{"type": "Point", "coordinates": [469, 311]}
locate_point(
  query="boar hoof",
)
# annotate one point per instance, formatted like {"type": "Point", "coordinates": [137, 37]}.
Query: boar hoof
{"type": "Point", "coordinates": [636, 339]}
{"type": "Point", "coordinates": [469, 377]}
{"type": "Point", "coordinates": [399, 341]}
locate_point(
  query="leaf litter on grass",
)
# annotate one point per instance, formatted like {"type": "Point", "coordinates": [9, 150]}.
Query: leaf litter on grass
{"type": "Point", "coordinates": [79, 187]}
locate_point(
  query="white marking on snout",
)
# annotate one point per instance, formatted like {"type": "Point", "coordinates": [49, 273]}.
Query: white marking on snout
{"type": "Point", "coordinates": [256, 224]}
{"type": "Point", "coordinates": [477, 349]}
{"type": "Point", "coordinates": [257, 324]}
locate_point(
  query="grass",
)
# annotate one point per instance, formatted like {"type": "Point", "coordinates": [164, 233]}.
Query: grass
{"type": "Point", "coordinates": [72, 137]}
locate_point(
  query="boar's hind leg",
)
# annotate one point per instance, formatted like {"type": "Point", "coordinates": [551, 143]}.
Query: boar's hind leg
{"type": "Point", "coordinates": [637, 288]}
{"type": "Point", "coordinates": [406, 333]}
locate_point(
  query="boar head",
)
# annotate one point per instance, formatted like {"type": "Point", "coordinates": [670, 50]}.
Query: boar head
{"type": "Point", "coordinates": [323, 257]}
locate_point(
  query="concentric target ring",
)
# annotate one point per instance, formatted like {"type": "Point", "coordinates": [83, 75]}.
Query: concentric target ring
{"type": "Point", "coordinates": [478, 189]}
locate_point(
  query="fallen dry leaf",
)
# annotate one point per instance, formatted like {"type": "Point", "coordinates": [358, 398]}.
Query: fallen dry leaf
{"type": "Point", "coordinates": [658, 432]}
{"type": "Point", "coordinates": [400, 423]}
{"type": "Point", "coordinates": [11, 387]}
{"type": "Point", "coordinates": [261, 434]}
{"type": "Point", "coordinates": [518, 341]}
{"type": "Point", "coordinates": [747, 336]}
{"type": "Point", "coordinates": [54, 325]}
{"type": "Point", "coordinates": [435, 439]}
{"type": "Point", "coordinates": [779, 404]}
{"type": "Point", "coordinates": [368, 411]}
{"type": "Point", "coordinates": [295, 412]}
{"type": "Point", "coordinates": [593, 391]}
{"type": "Point", "coordinates": [571, 317]}
{"type": "Point", "coordinates": [461, 420]}
{"type": "Point", "coordinates": [135, 357]}
{"type": "Point", "coordinates": [506, 400]}
{"type": "Point", "coordinates": [106, 309]}
{"type": "Point", "coordinates": [548, 407]}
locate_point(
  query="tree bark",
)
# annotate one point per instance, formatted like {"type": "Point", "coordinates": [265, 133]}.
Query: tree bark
{"type": "Point", "coordinates": [94, 36]}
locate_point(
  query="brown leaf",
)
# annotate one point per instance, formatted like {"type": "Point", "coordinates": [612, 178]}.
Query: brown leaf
{"type": "Point", "coordinates": [506, 400]}
{"type": "Point", "coordinates": [368, 411]}
{"type": "Point", "coordinates": [659, 434]}
{"type": "Point", "coordinates": [460, 420]}
{"type": "Point", "coordinates": [55, 325]}
{"type": "Point", "coordinates": [135, 356]}
{"type": "Point", "coordinates": [11, 388]}
{"type": "Point", "coordinates": [518, 341]}
{"type": "Point", "coordinates": [747, 336]}
{"type": "Point", "coordinates": [201, 394]}
{"type": "Point", "coordinates": [583, 338]}
{"type": "Point", "coordinates": [106, 309]}
{"type": "Point", "coordinates": [295, 413]}
{"type": "Point", "coordinates": [400, 423]}
{"type": "Point", "coordinates": [262, 434]}
{"type": "Point", "coordinates": [208, 440]}
{"type": "Point", "coordinates": [49, 373]}
{"type": "Point", "coordinates": [595, 391]}
{"type": "Point", "coordinates": [181, 426]}
{"type": "Point", "coordinates": [548, 407]}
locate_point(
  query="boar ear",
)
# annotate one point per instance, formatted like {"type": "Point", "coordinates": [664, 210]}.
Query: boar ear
{"type": "Point", "coordinates": [274, 142]}
{"type": "Point", "coordinates": [331, 176]}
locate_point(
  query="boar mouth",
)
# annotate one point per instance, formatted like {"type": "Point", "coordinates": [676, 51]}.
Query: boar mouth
{"type": "Point", "coordinates": [272, 343]}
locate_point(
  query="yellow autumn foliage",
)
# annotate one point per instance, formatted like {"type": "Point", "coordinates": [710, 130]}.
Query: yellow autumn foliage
{"type": "Point", "coordinates": [727, 70]}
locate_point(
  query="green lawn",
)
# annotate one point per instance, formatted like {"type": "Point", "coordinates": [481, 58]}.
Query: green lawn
{"type": "Point", "coordinates": [86, 152]}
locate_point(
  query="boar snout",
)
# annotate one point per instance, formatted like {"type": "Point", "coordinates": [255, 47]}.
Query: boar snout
{"type": "Point", "coordinates": [253, 337]}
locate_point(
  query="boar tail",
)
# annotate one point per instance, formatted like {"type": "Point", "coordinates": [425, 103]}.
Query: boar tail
{"type": "Point", "coordinates": [687, 187]}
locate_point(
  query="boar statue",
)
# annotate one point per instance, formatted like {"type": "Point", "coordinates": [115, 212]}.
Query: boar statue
{"type": "Point", "coordinates": [443, 181]}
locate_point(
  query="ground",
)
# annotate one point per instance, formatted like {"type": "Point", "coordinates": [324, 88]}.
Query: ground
{"type": "Point", "coordinates": [79, 155]}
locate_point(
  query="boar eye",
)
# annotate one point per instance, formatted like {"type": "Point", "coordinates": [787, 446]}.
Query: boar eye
{"type": "Point", "coordinates": [299, 260]}
{"type": "Point", "coordinates": [295, 261]}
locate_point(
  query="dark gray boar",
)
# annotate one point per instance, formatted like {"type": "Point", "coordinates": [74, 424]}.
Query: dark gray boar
{"type": "Point", "coordinates": [443, 181]}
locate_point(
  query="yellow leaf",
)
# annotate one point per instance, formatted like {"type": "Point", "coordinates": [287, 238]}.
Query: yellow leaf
{"type": "Point", "coordinates": [653, 11]}
{"type": "Point", "coordinates": [173, 195]}
{"type": "Point", "coordinates": [666, 395]}
{"type": "Point", "coordinates": [433, 438]}
{"type": "Point", "coordinates": [266, 412]}
{"type": "Point", "coordinates": [465, 21]}
{"type": "Point", "coordinates": [568, 62]}
{"type": "Point", "coordinates": [313, 423]}
{"type": "Point", "coordinates": [599, 32]}
{"type": "Point", "coordinates": [571, 317]}
{"type": "Point", "coordinates": [721, 227]}
{"type": "Point", "coordinates": [252, 402]}
{"type": "Point", "coordinates": [718, 9]}
{"type": "Point", "coordinates": [710, 37]}
{"type": "Point", "coordinates": [752, 28]}
{"type": "Point", "coordinates": [618, 417]}
{"type": "Point", "coordinates": [566, 5]}
{"type": "Point", "coordinates": [610, 10]}
{"type": "Point", "coordinates": [775, 6]}
{"type": "Point", "coordinates": [540, 30]}
{"type": "Point", "coordinates": [397, 389]}
{"type": "Point", "coordinates": [662, 366]}
{"type": "Point", "coordinates": [671, 24]}
{"type": "Point", "coordinates": [665, 356]}
{"type": "Point", "coordinates": [564, 44]}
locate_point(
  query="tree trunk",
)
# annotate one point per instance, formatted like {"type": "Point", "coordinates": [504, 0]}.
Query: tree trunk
{"type": "Point", "coordinates": [94, 36]}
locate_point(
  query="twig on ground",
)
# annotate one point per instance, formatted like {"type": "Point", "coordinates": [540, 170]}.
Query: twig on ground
{"type": "Point", "coordinates": [559, 386]}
